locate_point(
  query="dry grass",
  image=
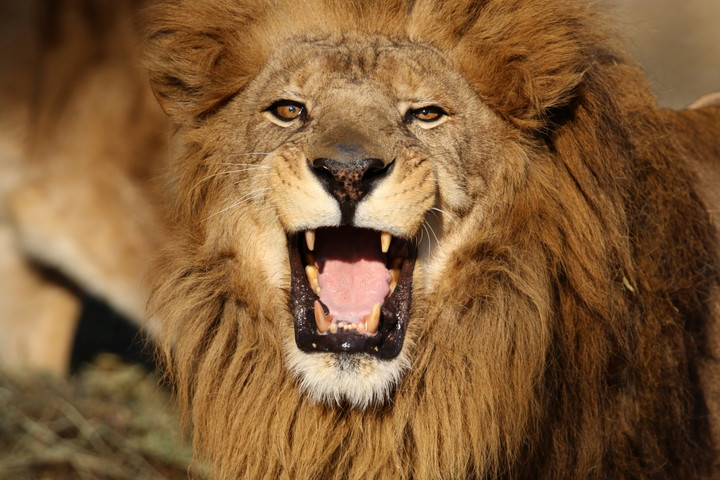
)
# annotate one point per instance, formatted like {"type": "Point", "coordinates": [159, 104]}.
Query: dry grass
{"type": "Point", "coordinates": [110, 421]}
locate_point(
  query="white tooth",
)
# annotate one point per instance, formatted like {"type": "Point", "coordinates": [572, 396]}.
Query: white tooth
{"type": "Point", "coordinates": [394, 279]}
{"type": "Point", "coordinates": [361, 328]}
{"type": "Point", "coordinates": [392, 286]}
{"type": "Point", "coordinates": [311, 272]}
{"type": "Point", "coordinates": [320, 319]}
{"type": "Point", "coordinates": [310, 239]}
{"type": "Point", "coordinates": [333, 328]}
{"type": "Point", "coordinates": [373, 320]}
{"type": "Point", "coordinates": [395, 275]}
{"type": "Point", "coordinates": [385, 239]}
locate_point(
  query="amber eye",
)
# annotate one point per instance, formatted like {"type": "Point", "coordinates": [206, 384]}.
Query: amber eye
{"type": "Point", "coordinates": [286, 110]}
{"type": "Point", "coordinates": [425, 114]}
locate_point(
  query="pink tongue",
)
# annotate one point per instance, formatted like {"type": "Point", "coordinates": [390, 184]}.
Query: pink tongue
{"type": "Point", "coordinates": [353, 276]}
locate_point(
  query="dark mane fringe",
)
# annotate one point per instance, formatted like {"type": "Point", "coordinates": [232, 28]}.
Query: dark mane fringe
{"type": "Point", "coordinates": [571, 323]}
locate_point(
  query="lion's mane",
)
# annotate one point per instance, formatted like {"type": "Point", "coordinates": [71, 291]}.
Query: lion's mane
{"type": "Point", "coordinates": [564, 341]}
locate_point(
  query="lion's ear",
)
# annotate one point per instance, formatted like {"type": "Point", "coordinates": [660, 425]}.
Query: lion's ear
{"type": "Point", "coordinates": [193, 57]}
{"type": "Point", "coordinates": [525, 81]}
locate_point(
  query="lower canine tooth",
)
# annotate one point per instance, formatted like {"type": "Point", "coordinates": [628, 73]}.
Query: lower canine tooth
{"type": "Point", "coordinates": [321, 320]}
{"type": "Point", "coordinates": [312, 274]}
{"type": "Point", "coordinates": [385, 239]}
{"type": "Point", "coordinates": [394, 279]}
{"type": "Point", "coordinates": [373, 320]}
{"type": "Point", "coordinates": [395, 275]}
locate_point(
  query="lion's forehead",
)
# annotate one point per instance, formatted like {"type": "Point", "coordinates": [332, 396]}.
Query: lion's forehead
{"type": "Point", "coordinates": [396, 68]}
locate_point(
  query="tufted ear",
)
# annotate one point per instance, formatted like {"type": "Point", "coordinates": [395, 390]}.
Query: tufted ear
{"type": "Point", "coordinates": [195, 56]}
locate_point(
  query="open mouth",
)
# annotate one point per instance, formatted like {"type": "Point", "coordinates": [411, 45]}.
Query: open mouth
{"type": "Point", "coordinates": [351, 290]}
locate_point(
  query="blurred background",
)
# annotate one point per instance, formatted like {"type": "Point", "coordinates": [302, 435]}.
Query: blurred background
{"type": "Point", "coordinates": [111, 420]}
{"type": "Point", "coordinates": [677, 42]}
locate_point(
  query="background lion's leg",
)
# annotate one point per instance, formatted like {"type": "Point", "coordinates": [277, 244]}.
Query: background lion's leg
{"type": "Point", "coordinates": [38, 313]}
{"type": "Point", "coordinates": [98, 230]}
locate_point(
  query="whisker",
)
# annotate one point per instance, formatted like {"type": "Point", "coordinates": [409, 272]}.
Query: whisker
{"type": "Point", "coordinates": [432, 230]}
{"type": "Point", "coordinates": [435, 209]}
{"type": "Point", "coordinates": [245, 198]}
{"type": "Point", "coordinates": [249, 165]}
{"type": "Point", "coordinates": [227, 172]}
{"type": "Point", "coordinates": [421, 237]}
{"type": "Point", "coordinates": [249, 154]}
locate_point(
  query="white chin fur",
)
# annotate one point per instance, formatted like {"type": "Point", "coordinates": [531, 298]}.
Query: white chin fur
{"type": "Point", "coordinates": [360, 381]}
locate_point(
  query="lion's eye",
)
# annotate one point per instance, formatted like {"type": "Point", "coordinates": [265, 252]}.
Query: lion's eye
{"type": "Point", "coordinates": [427, 114]}
{"type": "Point", "coordinates": [286, 110]}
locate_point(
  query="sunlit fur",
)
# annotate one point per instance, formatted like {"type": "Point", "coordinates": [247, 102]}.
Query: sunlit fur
{"type": "Point", "coordinates": [560, 314]}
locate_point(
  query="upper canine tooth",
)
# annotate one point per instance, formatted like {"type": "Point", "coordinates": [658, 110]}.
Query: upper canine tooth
{"type": "Point", "coordinates": [322, 322]}
{"type": "Point", "coordinates": [385, 239]}
{"type": "Point", "coordinates": [310, 239]}
{"type": "Point", "coordinates": [373, 320]}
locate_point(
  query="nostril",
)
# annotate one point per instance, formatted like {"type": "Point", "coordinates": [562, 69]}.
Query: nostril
{"type": "Point", "coordinates": [376, 169]}
{"type": "Point", "coordinates": [363, 171]}
{"type": "Point", "coordinates": [322, 168]}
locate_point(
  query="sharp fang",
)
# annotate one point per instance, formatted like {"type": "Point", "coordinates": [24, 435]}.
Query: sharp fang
{"type": "Point", "coordinates": [310, 239]}
{"type": "Point", "coordinates": [395, 275]}
{"type": "Point", "coordinates": [373, 320]}
{"type": "Point", "coordinates": [311, 272]}
{"type": "Point", "coordinates": [394, 279]}
{"type": "Point", "coordinates": [320, 320]}
{"type": "Point", "coordinates": [385, 239]}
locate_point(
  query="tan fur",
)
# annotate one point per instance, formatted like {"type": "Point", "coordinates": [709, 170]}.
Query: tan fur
{"type": "Point", "coordinates": [82, 142]}
{"type": "Point", "coordinates": [561, 301]}
{"type": "Point", "coordinates": [563, 322]}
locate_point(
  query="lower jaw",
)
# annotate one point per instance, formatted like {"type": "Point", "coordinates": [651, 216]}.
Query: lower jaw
{"type": "Point", "coordinates": [386, 344]}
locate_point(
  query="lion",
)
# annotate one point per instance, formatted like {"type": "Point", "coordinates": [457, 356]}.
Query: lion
{"type": "Point", "coordinates": [409, 239]}
{"type": "Point", "coordinates": [83, 148]}
{"type": "Point", "coordinates": [418, 239]}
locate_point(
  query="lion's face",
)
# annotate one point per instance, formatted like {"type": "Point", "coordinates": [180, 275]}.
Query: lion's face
{"type": "Point", "coordinates": [364, 158]}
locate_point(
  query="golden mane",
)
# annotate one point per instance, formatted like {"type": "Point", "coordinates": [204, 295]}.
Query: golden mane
{"type": "Point", "coordinates": [566, 344]}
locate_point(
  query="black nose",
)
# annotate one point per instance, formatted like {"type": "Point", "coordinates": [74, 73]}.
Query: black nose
{"type": "Point", "coordinates": [348, 182]}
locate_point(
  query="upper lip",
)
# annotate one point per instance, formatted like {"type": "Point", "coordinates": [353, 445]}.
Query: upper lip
{"type": "Point", "coordinates": [359, 335]}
